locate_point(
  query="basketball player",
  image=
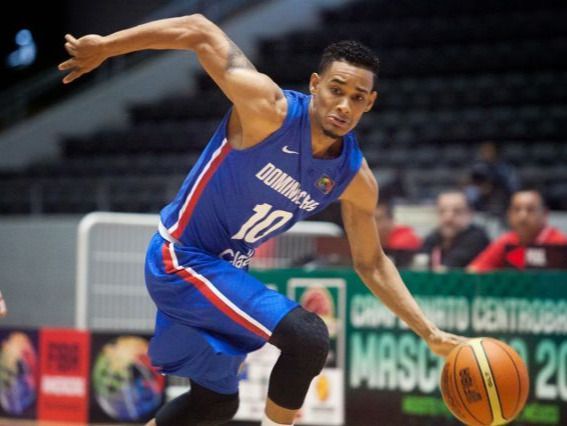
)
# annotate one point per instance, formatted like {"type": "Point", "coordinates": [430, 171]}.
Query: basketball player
{"type": "Point", "coordinates": [277, 157]}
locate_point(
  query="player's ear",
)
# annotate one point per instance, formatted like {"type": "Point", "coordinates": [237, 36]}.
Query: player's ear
{"type": "Point", "coordinates": [314, 83]}
{"type": "Point", "coordinates": [371, 99]}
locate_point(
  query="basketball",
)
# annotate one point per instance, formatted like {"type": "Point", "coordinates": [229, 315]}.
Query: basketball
{"type": "Point", "coordinates": [484, 382]}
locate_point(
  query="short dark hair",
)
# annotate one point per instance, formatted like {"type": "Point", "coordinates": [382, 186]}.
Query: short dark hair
{"type": "Point", "coordinates": [450, 191]}
{"type": "Point", "coordinates": [532, 189]}
{"type": "Point", "coordinates": [353, 52]}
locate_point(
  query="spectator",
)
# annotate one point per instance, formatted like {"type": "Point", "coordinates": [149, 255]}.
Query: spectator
{"type": "Point", "coordinates": [492, 181]}
{"type": "Point", "coordinates": [527, 217]}
{"type": "Point", "coordinates": [392, 235]}
{"type": "Point", "coordinates": [456, 240]}
{"type": "Point", "coordinates": [398, 241]}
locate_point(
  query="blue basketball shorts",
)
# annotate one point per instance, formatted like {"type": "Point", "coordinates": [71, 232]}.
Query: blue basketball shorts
{"type": "Point", "coordinates": [210, 314]}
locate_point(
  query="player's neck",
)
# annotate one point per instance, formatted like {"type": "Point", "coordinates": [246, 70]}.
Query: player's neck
{"type": "Point", "coordinates": [327, 151]}
{"type": "Point", "coordinates": [324, 146]}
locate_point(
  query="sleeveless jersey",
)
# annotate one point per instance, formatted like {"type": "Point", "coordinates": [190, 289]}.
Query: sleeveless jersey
{"type": "Point", "coordinates": [234, 200]}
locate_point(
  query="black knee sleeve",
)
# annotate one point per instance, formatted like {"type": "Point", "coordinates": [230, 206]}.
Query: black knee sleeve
{"type": "Point", "coordinates": [303, 339]}
{"type": "Point", "coordinates": [198, 407]}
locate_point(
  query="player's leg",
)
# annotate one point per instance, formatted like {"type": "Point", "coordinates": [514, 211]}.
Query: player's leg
{"type": "Point", "coordinates": [237, 314]}
{"type": "Point", "coordinates": [303, 339]}
{"type": "Point", "coordinates": [198, 407]}
{"type": "Point", "coordinates": [180, 350]}
{"type": "Point", "coordinates": [177, 348]}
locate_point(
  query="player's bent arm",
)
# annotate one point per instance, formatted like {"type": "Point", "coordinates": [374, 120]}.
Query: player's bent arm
{"type": "Point", "coordinates": [375, 269]}
{"type": "Point", "coordinates": [252, 92]}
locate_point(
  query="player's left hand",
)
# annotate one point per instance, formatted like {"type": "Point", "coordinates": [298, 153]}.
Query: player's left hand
{"type": "Point", "coordinates": [441, 342]}
{"type": "Point", "coordinates": [87, 53]}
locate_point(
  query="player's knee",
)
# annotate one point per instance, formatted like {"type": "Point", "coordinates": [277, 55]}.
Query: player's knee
{"type": "Point", "coordinates": [316, 343]}
{"type": "Point", "coordinates": [303, 336]}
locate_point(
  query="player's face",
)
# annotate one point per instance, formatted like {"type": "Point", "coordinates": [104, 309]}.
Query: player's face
{"type": "Point", "coordinates": [454, 214]}
{"type": "Point", "coordinates": [527, 215]}
{"type": "Point", "coordinates": [341, 95]}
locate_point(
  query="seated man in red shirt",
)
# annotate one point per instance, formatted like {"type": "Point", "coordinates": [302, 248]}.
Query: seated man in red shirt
{"type": "Point", "coordinates": [527, 217]}
{"type": "Point", "coordinates": [398, 241]}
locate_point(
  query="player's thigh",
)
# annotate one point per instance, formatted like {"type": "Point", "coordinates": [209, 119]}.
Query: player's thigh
{"type": "Point", "coordinates": [180, 350]}
{"type": "Point", "coordinates": [203, 291]}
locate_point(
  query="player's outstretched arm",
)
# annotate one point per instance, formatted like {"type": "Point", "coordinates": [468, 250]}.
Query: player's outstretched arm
{"type": "Point", "coordinates": [376, 270]}
{"type": "Point", "coordinates": [251, 92]}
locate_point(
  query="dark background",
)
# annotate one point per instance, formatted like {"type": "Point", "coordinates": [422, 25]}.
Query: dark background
{"type": "Point", "coordinates": [50, 21]}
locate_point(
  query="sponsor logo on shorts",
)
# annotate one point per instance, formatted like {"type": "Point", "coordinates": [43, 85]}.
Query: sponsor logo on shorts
{"type": "Point", "coordinates": [237, 258]}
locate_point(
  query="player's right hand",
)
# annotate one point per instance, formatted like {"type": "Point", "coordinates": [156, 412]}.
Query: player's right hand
{"type": "Point", "coordinates": [87, 53]}
{"type": "Point", "coordinates": [442, 343]}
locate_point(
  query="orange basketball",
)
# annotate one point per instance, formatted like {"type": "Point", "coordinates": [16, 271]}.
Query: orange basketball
{"type": "Point", "coordinates": [484, 382]}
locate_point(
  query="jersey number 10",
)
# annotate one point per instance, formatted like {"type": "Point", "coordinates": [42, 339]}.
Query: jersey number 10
{"type": "Point", "coordinates": [262, 223]}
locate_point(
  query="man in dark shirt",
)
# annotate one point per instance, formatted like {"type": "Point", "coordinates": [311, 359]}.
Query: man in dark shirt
{"type": "Point", "coordinates": [456, 240]}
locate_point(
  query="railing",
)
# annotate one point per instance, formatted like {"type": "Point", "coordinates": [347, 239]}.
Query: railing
{"type": "Point", "coordinates": [111, 294]}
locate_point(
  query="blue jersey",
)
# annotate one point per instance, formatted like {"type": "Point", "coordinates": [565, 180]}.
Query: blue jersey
{"type": "Point", "coordinates": [211, 312]}
{"type": "Point", "coordinates": [234, 200]}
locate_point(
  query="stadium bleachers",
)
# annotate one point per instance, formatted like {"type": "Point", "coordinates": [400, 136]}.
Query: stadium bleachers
{"type": "Point", "coordinates": [453, 74]}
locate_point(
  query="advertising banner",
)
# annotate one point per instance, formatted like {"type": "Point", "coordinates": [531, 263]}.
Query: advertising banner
{"type": "Point", "coordinates": [392, 378]}
{"type": "Point", "coordinates": [64, 380]}
{"type": "Point", "coordinates": [324, 403]}
{"type": "Point", "coordinates": [124, 386]}
{"type": "Point", "coordinates": [378, 371]}
{"type": "Point", "coordinates": [19, 373]}
{"type": "Point", "coordinates": [325, 297]}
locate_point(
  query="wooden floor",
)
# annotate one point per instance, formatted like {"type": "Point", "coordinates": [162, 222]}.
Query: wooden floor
{"type": "Point", "coordinates": [12, 422]}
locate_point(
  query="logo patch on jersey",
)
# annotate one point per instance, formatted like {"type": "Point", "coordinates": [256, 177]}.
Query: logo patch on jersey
{"type": "Point", "coordinates": [325, 184]}
{"type": "Point", "coordinates": [289, 151]}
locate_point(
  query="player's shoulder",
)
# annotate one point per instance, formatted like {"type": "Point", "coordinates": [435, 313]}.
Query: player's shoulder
{"type": "Point", "coordinates": [295, 94]}
{"type": "Point", "coordinates": [297, 103]}
{"type": "Point", "coordinates": [363, 186]}
{"type": "Point", "coordinates": [365, 178]}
